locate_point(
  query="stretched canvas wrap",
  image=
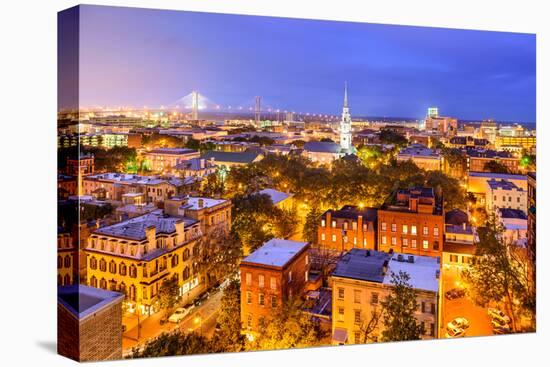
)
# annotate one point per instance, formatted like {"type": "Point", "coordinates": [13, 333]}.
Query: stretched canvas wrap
{"type": "Point", "coordinates": [232, 183]}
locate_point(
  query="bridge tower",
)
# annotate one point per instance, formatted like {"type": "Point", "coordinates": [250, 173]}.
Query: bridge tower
{"type": "Point", "coordinates": [195, 105]}
{"type": "Point", "coordinates": [258, 110]}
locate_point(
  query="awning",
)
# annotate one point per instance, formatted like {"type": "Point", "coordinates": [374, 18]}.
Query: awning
{"type": "Point", "coordinates": [340, 336]}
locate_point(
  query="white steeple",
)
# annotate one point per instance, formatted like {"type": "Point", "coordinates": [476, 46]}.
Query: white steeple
{"type": "Point", "coordinates": [345, 125]}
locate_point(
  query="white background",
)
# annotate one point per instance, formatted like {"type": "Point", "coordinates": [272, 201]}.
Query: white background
{"type": "Point", "coordinates": [28, 180]}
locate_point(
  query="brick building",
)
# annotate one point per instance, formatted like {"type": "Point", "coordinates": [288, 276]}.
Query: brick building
{"type": "Point", "coordinates": [271, 275]}
{"type": "Point", "coordinates": [89, 323]}
{"type": "Point", "coordinates": [347, 228]}
{"type": "Point", "coordinates": [412, 222]}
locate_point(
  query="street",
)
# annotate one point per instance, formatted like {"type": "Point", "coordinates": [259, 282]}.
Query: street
{"type": "Point", "coordinates": [201, 319]}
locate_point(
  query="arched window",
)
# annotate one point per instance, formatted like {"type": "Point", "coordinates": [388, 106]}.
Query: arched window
{"type": "Point", "coordinates": [93, 263]}
{"type": "Point", "coordinates": [122, 288]}
{"type": "Point", "coordinates": [93, 281]}
{"type": "Point", "coordinates": [102, 265]}
{"type": "Point", "coordinates": [122, 269]}
{"type": "Point", "coordinates": [186, 254]}
{"type": "Point", "coordinates": [186, 273]}
{"type": "Point", "coordinates": [59, 279]}
{"type": "Point", "coordinates": [112, 267]}
{"type": "Point", "coordinates": [132, 293]}
{"type": "Point", "coordinates": [67, 279]}
{"type": "Point", "coordinates": [133, 271]}
{"type": "Point", "coordinates": [67, 261]}
{"type": "Point", "coordinates": [59, 262]}
{"type": "Point", "coordinates": [103, 283]}
{"type": "Point", "coordinates": [196, 250]}
{"type": "Point", "coordinates": [175, 260]}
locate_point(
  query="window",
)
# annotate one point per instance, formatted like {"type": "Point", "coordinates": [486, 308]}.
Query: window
{"type": "Point", "coordinates": [436, 231]}
{"type": "Point", "coordinates": [393, 227]}
{"type": "Point", "coordinates": [93, 263]}
{"type": "Point", "coordinates": [175, 260]}
{"type": "Point", "coordinates": [333, 238]}
{"type": "Point", "coordinates": [423, 307]}
{"type": "Point", "coordinates": [357, 296]}
{"type": "Point", "coordinates": [436, 245]}
{"type": "Point", "coordinates": [432, 308]}
{"type": "Point", "coordinates": [453, 258]}
{"type": "Point", "coordinates": [405, 242]}
{"type": "Point", "coordinates": [290, 276]}
{"type": "Point", "coordinates": [374, 298]}
{"type": "Point", "coordinates": [333, 224]}
{"type": "Point", "coordinates": [273, 301]}
{"type": "Point", "coordinates": [186, 273]}
{"type": "Point", "coordinates": [133, 271]}
{"type": "Point", "coordinates": [413, 243]}
{"type": "Point", "coordinates": [323, 223]}
{"type": "Point", "coordinates": [248, 278]}
{"type": "Point", "coordinates": [67, 261]}
{"type": "Point", "coordinates": [394, 241]}
{"type": "Point", "coordinates": [364, 242]}
{"type": "Point", "coordinates": [357, 337]}
{"type": "Point", "coordinates": [307, 259]}
{"type": "Point", "coordinates": [466, 259]}
{"type": "Point", "coordinates": [384, 240]}
{"type": "Point", "coordinates": [122, 269]}
{"type": "Point", "coordinates": [432, 329]}
{"type": "Point", "coordinates": [103, 283]}
{"type": "Point", "coordinates": [413, 230]}
{"type": "Point", "coordinates": [383, 226]}
{"type": "Point", "coordinates": [261, 281]}
{"type": "Point", "coordinates": [345, 225]}
{"type": "Point", "coordinates": [102, 265]}
{"type": "Point", "coordinates": [273, 282]}
{"type": "Point", "coordinates": [112, 267]}
{"type": "Point", "coordinates": [354, 241]}
{"type": "Point", "coordinates": [249, 321]}
{"type": "Point", "coordinates": [261, 299]}
{"type": "Point", "coordinates": [425, 231]}
{"type": "Point", "coordinates": [425, 244]}
{"type": "Point", "coordinates": [340, 313]}
{"type": "Point", "coordinates": [248, 297]}
{"type": "Point", "coordinates": [354, 226]}
{"type": "Point", "coordinates": [405, 229]}
{"type": "Point", "coordinates": [323, 237]}
{"type": "Point", "coordinates": [340, 293]}
{"type": "Point", "coordinates": [509, 198]}
{"type": "Point", "coordinates": [357, 316]}
{"type": "Point", "coordinates": [93, 281]}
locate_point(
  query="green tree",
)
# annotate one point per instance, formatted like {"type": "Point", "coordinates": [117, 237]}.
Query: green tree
{"type": "Point", "coordinates": [495, 167]}
{"type": "Point", "coordinates": [399, 311]}
{"type": "Point", "coordinates": [391, 137]}
{"type": "Point", "coordinates": [312, 224]}
{"type": "Point", "coordinates": [168, 294]}
{"type": "Point", "coordinates": [500, 275]}
{"type": "Point", "coordinates": [175, 344]}
{"type": "Point", "coordinates": [285, 223]}
{"type": "Point", "coordinates": [229, 336]}
{"type": "Point", "coordinates": [287, 327]}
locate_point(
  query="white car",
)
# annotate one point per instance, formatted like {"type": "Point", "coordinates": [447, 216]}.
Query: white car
{"type": "Point", "coordinates": [495, 313]}
{"type": "Point", "coordinates": [455, 332]}
{"type": "Point", "coordinates": [178, 315]}
{"type": "Point", "coordinates": [458, 323]}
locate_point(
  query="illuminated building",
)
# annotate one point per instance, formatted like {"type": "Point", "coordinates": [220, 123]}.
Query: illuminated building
{"type": "Point", "coordinates": [446, 126]}
{"type": "Point", "coordinates": [362, 281]}
{"type": "Point", "coordinates": [282, 200]}
{"type": "Point", "coordinates": [322, 152]}
{"type": "Point", "coordinates": [270, 276]}
{"type": "Point", "coordinates": [502, 194]}
{"type": "Point", "coordinates": [412, 222]}
{"type": "Point", "coordinates": [516, 142]}
{"type": "Point", "coordinates": [226, 160]}
{"type": "Point", "coordinates": [195, 167]}
{"type": "Point", "coordinates": [478, 158]}
{"type": "Point", "coordinates": [459, 248]}
{"type": "Point", "coordinates": [164, 159]}
{"type": "Point", "coordinates": [67, 253]}
{"type": "Point", "coordinates": [134, 257]}
{"type": "Point", "coordinates": [347, 228]}
{"type": "Point", "coordinates": [422, 156]}
{"type": "Point", "coordinates": [345, 126]}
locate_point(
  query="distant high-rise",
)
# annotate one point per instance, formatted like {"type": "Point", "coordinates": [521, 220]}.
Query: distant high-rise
{"type": "Point", "coordinates": [345, 125]}
{"type": "Point", "coordinates": [195, 106]}
{"type": "Point", "coordinates": [433, 112]}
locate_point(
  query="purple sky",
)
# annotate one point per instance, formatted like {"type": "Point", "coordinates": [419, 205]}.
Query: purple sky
{"type": "Point", "coordinates": [152, 57]}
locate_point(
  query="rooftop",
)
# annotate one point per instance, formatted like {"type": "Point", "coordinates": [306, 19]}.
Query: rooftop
{"type": "Point", "coordinates": [172, 151]}
{"type": "Point", "coordinates": [419, 150]}
{"type": "Point", "coordinates": [504, 176]}
{"type": "Point", "coordinates": [322, 147]}
{"type": "Point", "coordinates": [353, 212]}
{"type": "Point", "coordinates": [193, 202]}
{"type": "Point", "coordinates": [487, 153]}
{"type": "Point", "coordinates": [502, 185]}
{"type": "Point", "coordinates": [512, 213]}
{"type": "Point", "coordinates": [82, 300]}
{"type": "Point", "coordinates": [135, 228]}
{"type": "Point", "coordinates": [276, 252]}
{"type": "Point", "coordinates": [276, 196]}
{"type": "Point", "coordinates": [368, 265]}
{"type": "Point", "coordinates": [235, 157]}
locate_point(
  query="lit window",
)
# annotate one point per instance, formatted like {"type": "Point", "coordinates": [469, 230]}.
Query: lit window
{"type": "Point", "coordinates": [425, 244]}
{"type": "Point", "coordinates": [333, 224]}
{"type": "Point", "coordinates": [383, 240]}
{"type": "Point", "coordinates": [413, 243]}
{"type": "Point", "coordinates": [425, 231]}
{"type": "Point", "coordinates": [273, 283]}
{"type": "Point", "coordinates": [340, 293]}
{"type": "Point", "coordinates": [261, 299]}
{"type": "Point", "coordinates": [383, 226]}
{"type": "Point", "coordinates": [261, 281]}
{"type": "Point", "coordinates": [436, 231]}
{"type": "Point", "coordinates": [405, 242]}
{"type": "Point", "coordinates": [248, 278]}
{"type": "Point", "coordinates": [323, 223]}
{"type": "Point", "coordinates": [322, 236]}
{"type": "Point", "coordinates": [393, 227]}
{"type": "Point", "coordinates": [413, 230]}
{"type": "Point", "coordinates": [333, 238]}
{"type": "Point", "coordinates": [340, 313]}
{"type": "Point", "coordinates": [394, 241]}
{"type": "Point", "coordinates": [249, 297]}
{"type": "Point", "coordinates": [357, 296]}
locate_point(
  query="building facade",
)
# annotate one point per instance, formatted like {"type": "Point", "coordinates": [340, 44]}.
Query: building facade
{"type": "Point", "coordinates": [164, 159]}
{"type": "Point", "coordinates": [347, 228]}
{"type": "Point", "coordinates": [412, 222]}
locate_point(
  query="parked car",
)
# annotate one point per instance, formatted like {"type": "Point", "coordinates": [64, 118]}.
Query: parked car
{"type": "Point", "coordinates": [455, 332]}
{"type": "Point", "coordinates": [179, 314]}
{"type": "Point", "coordinates": [499, 323]}
{"type": "Point", "coordinates": [455, 293]}
{"type": "Point", "coordinates": [495, 313]}
{"type": "Point", "coordinates": [459, 323]}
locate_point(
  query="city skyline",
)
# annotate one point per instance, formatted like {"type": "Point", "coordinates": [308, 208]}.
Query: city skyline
{"type": "Point", "coordinates": [137, 57]}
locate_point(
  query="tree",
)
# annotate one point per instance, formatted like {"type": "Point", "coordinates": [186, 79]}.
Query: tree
{"type": "Point", "coordinates": [212, 185]}
{"type": "Point", "coordinates": [495, 167]}
{"type": "Point", "coordinates": [168, 294]}
{"type": "Point", "coordinates": [391, 137]}
{"type": "Point", "coordinates": [220, 252]}
{"type": "Point", "coordinates": [453, 194]}
{"type": "Point", "coordinates": [368, 329]}
{"type": "Point", "coordinates": [285, 223]}
{"type": "Point", "coordinates": [399, 311]}
{"type": "Point", "coordinates": [175, 344]}
{"type": "Point", "coordinates": [287, 327]}
{"type": "Point", "coordinates": [229, 336]}
{"type": "Point", "coordinates": [312, 224]}
{"type": "Point", "coordinates": [500, 275]}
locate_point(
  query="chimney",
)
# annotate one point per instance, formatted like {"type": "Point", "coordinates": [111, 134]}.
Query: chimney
{"type": "Point", "coordinates": [180, 227]}
{"type": "Point", "coordinates": [201, 203]}
{"type": "Point", "coordinates": [385, 267]}
{"type": "Point", "coordinates": [413, 204]}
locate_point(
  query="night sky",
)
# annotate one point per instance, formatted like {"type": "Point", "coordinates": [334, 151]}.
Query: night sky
{"type": "Point", "coordinates": [143, 57]}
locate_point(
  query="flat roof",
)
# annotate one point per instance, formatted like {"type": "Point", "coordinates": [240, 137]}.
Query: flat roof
{"type": "Point", "coordinates": [505, 176]}
{"type": "Point", "coordinates": [362, 264]}
{"type": "Point", "coordinates": [276, 252]}
{"type": "Point", "coordinates": [508, 213]}
{"type": "Point", "coordinates": [82, 300]}
{"type": "Point", "coordinates": [171, 151]}
{"type": "Point", "coordinates": [193, 202]}
{"type": "Point", "coordinates": [275, 195]}
{"type": "Point", "coordinates": [352, 212]}
{"type": "Point", "coordinates": [502, 185]}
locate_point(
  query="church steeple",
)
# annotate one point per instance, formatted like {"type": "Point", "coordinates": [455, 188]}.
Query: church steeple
{"type": "Point", "coordinates": [345, 125]}
{"type": "Point", "coordinates": [346, 94]}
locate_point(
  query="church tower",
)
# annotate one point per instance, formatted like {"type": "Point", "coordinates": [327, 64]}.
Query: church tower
{"type": "Point", "coordinates": [345, 125]}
